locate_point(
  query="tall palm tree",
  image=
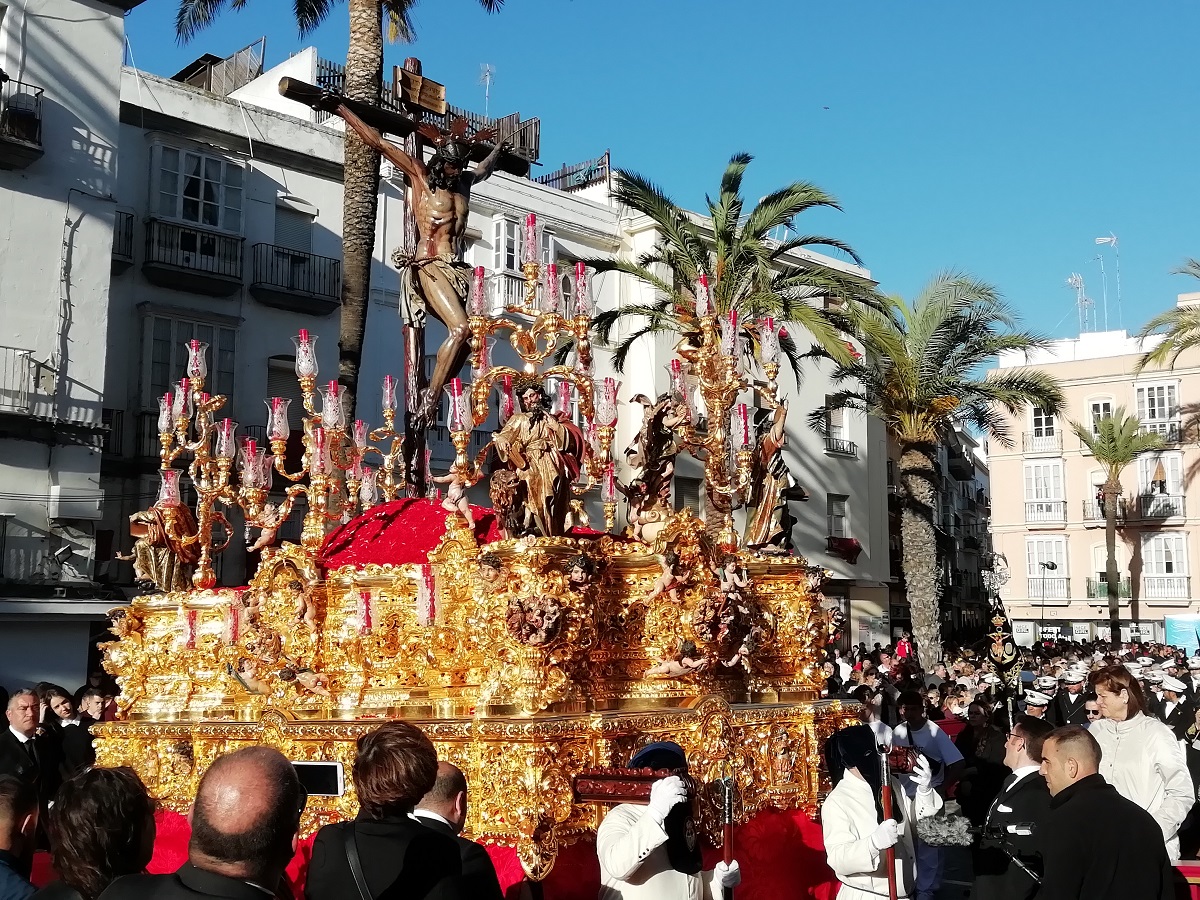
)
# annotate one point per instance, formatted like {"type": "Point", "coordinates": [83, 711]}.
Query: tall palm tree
{"type": "Point", "coordinates": [749, 272]}
{"type": "Point", "coordinates": [1115, 443]}
{"type": "Point", "coordinates": [920, 374]}
{"type": "Point", "coordinates": [360, 197]}
{"type": "Point", "coordinates": [1180, 328]}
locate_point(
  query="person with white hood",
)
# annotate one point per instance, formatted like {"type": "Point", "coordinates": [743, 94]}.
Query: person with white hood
{"type": "Point", "coordinates": [1141, 756]}
{"type": "Point", "coordinates": [857, 829]}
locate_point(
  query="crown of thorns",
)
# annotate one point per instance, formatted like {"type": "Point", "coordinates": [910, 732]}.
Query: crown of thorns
{"type": "Point", "coordinates": [523, 383]}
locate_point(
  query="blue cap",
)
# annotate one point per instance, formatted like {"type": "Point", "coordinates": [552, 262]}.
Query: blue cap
{"type": "Point", "coordinates": [660, 755]}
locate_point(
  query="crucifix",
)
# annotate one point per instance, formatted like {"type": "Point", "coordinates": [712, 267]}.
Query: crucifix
{"type": "Point", "coordinates": [434, 279]}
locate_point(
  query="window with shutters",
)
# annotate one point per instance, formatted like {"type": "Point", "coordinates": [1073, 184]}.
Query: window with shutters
{"type": "Point", "coordinates": [687, 494]}
{"type": "Point", "coordinates": [293, 230]}
{"type": "Point", "coordinates": [197, 187]}
{"type": "Point", "coordinates": [506, 245]}
{"type": "Point", "coordinates": [1164, 554]}
{"type": "Point", "coordinates": [1046, 549]}
{"type": "Point", "coordinates": [1044, 481]}
{"type": "Point", "coordinates": [1157, 403]}
{"type": "Point", "coordinates": [838, 513]}
{"type": "Point", "coordinates": [1160, 473]}
{"type": "Point", "coordinates": [1100, 409]}
{"type": "Point", "coordinates": [1043, 422]}
{"type": "Point", "coordinates": [165, 356]}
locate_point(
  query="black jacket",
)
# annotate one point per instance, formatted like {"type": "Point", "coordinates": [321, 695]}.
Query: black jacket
{"type": "Point", "coordinates": [1182, 717]}
{"type": "Point", "coordinates": [75, 743]}
{"type": "Point", "coordinates": [478, 873]}
{"type": "Point", "coordinates": [189, 883]}
{"type": "Point", "coordinates": [1096, 845]}
{"type": "Point", "coordinates": [984, 772]}
{"type": "Point", "coordinates": [996, 876]}
{"type": "Point", "coordinates": [1065, 712]}
{"type": "Point", "coordinates": [60, 890]}
{"type": "Point", "coordinates": [401, 860]}
{"type": "Point", "coordinates": [15, 760]}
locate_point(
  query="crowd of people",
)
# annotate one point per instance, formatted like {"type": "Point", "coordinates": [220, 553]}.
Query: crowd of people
{"type": "Point", "coordinates": [1107, 728]}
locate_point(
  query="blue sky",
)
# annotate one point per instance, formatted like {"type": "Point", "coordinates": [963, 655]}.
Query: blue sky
{"type": "Point", "coordinates": [996, 138]}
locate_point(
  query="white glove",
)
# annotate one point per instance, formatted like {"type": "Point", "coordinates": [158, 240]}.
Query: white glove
{"type": "Point", "coordinates": [665, 795]}
{"type": "Point", "coordinates": [726, 876]}
{"type": "Point", "coordinates": [922, 775]}
{"type": "Point", "coordinates": [886, 835]}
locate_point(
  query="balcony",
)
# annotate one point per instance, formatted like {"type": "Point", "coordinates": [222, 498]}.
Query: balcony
{"type": "Point", "coordinates": [294, 280]}
{"type": "Point", "coordinates": [20, 124]}
{"type": "Point", "coordinates": [16, 380]}
{"type": "Point", "coordinates": [1098, 590]}
{"type": "Point", "coordinates": [841, 447]}
{"type": "Point", "coordinates": [192, 259]}
{"type": "Point", "coordinates": [122, 248]}
{"type": "Point", "coordinates": [1045, 512]}
{"type": "Point", "coordinates": [1093, 512]}
{"type": "Point", "coordinates": [1166, 587]}
{"type": "Point", "coordinates": [1170, 432]}
{"type": "Point", "coordinates": [1049, 588]}
{"type": "Point", "coordinates": [1034, 442]}
{"type": "Point", "coordinates": [1161, 506]}
{"type": "Point", "coordinates": [580, 175]}
{"type": "Point", "coordinates": [960, 466]}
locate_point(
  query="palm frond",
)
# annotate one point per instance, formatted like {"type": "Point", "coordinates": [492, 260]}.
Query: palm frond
{"type": "Point", "coordinates": [193, 16]}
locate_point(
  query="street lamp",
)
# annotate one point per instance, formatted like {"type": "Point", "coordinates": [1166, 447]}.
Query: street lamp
{"type": "Point", "coordinates": [1046, 567]}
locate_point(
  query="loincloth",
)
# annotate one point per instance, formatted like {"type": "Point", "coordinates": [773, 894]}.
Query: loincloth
{"type": "Point", "coordinates": [412, 300]}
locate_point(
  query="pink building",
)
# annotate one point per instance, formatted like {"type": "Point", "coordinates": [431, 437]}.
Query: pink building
{"type": "Point", "coordinates": [1046, 518]}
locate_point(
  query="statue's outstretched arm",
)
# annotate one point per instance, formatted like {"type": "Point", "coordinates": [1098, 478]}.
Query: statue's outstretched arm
{"type": "Point", "coordinates": [414, 170]}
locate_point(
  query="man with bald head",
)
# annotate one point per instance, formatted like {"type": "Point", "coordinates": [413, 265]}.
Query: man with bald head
{"type": "Point", "coordinates": [1095, 844]}
{"type": "Point", "coordinates": [244, 824]}
{"type": "Point", "coordinates": [444, 809]}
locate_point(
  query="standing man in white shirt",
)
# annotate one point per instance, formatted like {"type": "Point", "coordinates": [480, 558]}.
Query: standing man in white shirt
{"type": "Point", "coordinates": [1023, 800]}
{"type": "Point", "coordinates": [20, 753]}
{"type": "Point", "coordinates": [915, 730]}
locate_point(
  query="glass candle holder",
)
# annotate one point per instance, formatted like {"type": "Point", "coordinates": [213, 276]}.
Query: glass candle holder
{"type": "Point", "coordinates": [168, 489]}
{"type": "Point", "coordinates": [226, 440]}
{"type": "Point", "coordinates": [166, 421]}
{"type": "Point", "coordinates": [389, 394]}
{"type": "Point", "coordinates": [306, 354]}
{"type": "Point", "coordinates": [278, 427]}
{"type": "Point", "coordinates": [703, 297]}
{"type": "Point", "coordinates": [583, 291]}
{"type": "Point", "coordinates": [606, 402]}
{"type": "Point", "coordinates": [478, 305]}
{"type": "Point", "coordinates": [768, 340]}
{"type": "Point", "coordinates": [197, 361]}
{"type": "Point", "coordinates": [331, 405]}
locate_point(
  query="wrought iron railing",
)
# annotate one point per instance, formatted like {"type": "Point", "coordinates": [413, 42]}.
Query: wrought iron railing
{"type": "Point", "coordinates": [579, 175]}
{"type": "Point", "coordinates": [296, 271]}
{"type": "Point", "coordinates": [123, 235]}
{"type": "Point", "coordinates": [21, 112]}
{"type": "Point", "coordinates": [838, 445]}
{"type": "Point", "coordinates": [187, 247]}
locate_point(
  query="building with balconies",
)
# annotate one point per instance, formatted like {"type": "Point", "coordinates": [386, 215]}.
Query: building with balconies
{"type": "Point", "coordinates": [60, 63]}
{"type": "Point", "coordinates": [1050, 526]}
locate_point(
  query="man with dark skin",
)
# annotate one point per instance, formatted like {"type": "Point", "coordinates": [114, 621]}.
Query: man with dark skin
{"type": "Point", "coordinates": [435, 277]}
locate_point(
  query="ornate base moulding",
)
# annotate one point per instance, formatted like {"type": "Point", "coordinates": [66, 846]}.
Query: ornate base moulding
{"type": "Point", "coordinates": [520, 769]}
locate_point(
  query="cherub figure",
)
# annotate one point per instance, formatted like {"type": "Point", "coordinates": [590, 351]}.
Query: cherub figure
{"type": "Point", "coordinates": [458, 480]}
{"type": "Point", "coordinates": [685, 661]}
{"type": "Point", "coordinates": [268, 523]}
{"type": "Point", "coordinates": [305, 607]}
{"type": "Point", "coordinates": [580, 572]}
{"type": "Point", "coordinates": [246, 673]}
{"type": "Point", "coordinates": [306, 678]}
{"type": "Point", "coordinates": [751, 642]}
{"type": "Point", "coordinates": [670, 581]}
{"type": "Point", "coordinates": [733, 579]}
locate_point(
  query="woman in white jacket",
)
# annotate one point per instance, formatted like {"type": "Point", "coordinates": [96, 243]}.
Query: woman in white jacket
{"type": "Point", "coordinates": [857, 829]}
{"type": "Point", "coordinates": [1140, 756]}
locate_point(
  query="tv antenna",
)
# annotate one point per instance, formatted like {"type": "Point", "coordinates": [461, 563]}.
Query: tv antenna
{"type": "Point", "coordinates": [487, 74]}
{"type": "Point", "coordinates": [1083, 305]}
{"type": "Point", "coordinates": [1111, 241]}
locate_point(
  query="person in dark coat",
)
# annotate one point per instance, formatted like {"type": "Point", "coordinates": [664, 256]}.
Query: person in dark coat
{"type": "Point", "coordinates": [27, 752]}
{"type": "Point", "coordinates": [1067, 707]}
{"type": "Point", "coordinates": [1095, 844]}
{"type": "Point", "coordinates": [1023, 799]}
{"type": "Point", "coordinates": [74, 734]}
{"type": "Point", "coordinates": [244, 825]}
{"type": "Point", "coordinates": [444, 809]}
{"type": "Point", "coordinates": [983, 747]}
{"type": "Point", "coordinates": [18, 825]}
{"type": "Point", "coordinates": [1177, 712]}
{"type": "Point", "coordinates": [394, 767]}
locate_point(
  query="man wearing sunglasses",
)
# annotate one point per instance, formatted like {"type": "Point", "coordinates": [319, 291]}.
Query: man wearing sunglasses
{"type": "Point", "coordinates": [1023, 800]}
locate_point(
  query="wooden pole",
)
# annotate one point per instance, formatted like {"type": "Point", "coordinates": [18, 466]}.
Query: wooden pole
{"type": "Point", "coordinates": [727, 836]}
{"type": "Point", "coordinates": [415, 380]}
{"type": "Point", "coordinates": [885, 798]}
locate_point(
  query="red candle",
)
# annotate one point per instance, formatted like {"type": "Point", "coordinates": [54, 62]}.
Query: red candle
{"type": "Point", "coordinates": [304, 335]}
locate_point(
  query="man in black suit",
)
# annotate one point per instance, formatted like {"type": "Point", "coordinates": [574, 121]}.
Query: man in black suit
{"type": "Point", "coordinates": [74, 735]}
{"type": "Point", "coordinates": [444, 809]}
{"type": "Point", "coordinates": [1095, 844]}
{"type": "Point", "coordinates": [1023, 800]}
{"type": "Point", "coordinates": [244, 824]}
{"type": "Point", "coordinates": [21, 749]}
{"type": "Point", "coordinates": [1177, 712]}
{"type": "Point", "coordinates": [1067, 706]}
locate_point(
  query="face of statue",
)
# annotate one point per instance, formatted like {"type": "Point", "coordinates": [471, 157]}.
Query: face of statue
{"type": "Point", "coordinates": [532, 398]}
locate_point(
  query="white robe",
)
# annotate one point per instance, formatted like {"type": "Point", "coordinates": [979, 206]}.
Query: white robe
{"type": "Point", "coordinates": [848, 819]}
{"type": "Point", "coordinates": [632, 847]}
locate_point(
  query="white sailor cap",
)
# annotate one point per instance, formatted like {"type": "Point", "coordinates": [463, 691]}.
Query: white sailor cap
{"type": "Point", "coordinates": [1074, 676]}
{"type": "Point", "coordinates": [1046, 681]}
{"type": "Point", "coordinates": [1133, 667]}
{"type": "Point", "coordinates": [1194, 662]}
{"type": "Point", "coordinates": [1145, 661]}
{"type": "Point", "coordinates": [989, 678]}
{"type": "Point", "coordinates": [1036, 698]}
{"type": "Point", "coordinates": [1173, 684]}
{"type": "Point", "coordinates": [1157, 677]}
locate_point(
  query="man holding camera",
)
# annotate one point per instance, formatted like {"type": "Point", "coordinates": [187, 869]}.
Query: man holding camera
{"type": "Point", "coordinates": [652, 852]}
{"type": "Point", "coordinates": [1023, 801]}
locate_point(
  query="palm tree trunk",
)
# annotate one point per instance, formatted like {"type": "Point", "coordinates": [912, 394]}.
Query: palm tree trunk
{"type": "Point", "coordinates": [1111, 493]}
{"type": "Point", "coordinates": [364, 80]}
{"type": "Point", "coordinates": [919, 560]}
